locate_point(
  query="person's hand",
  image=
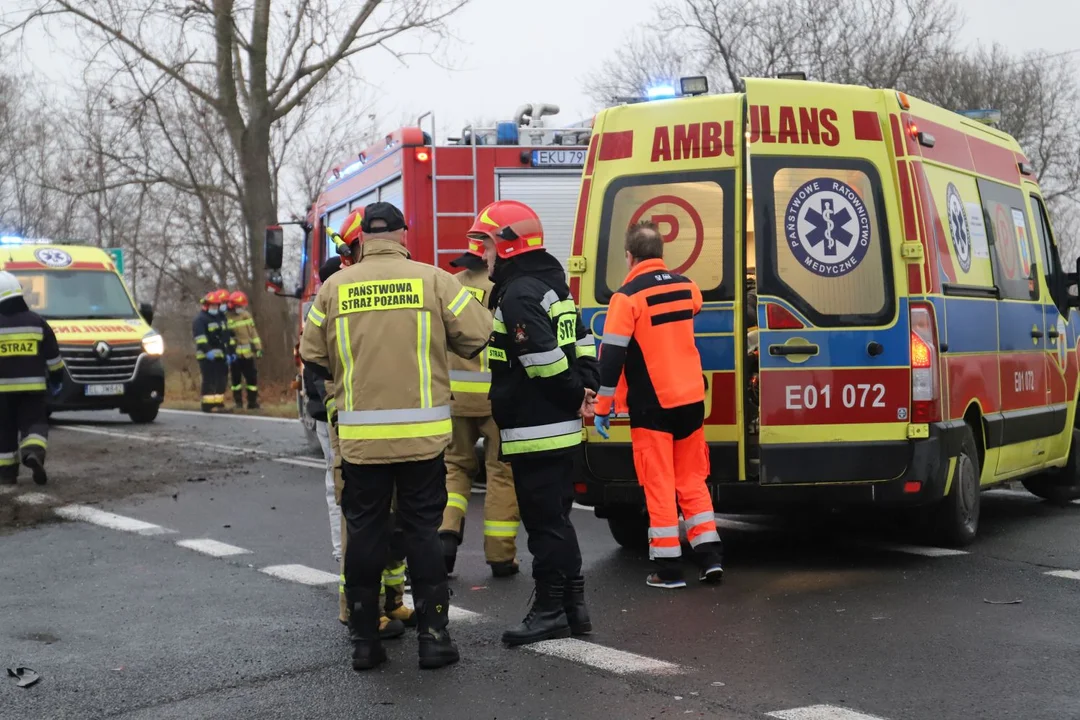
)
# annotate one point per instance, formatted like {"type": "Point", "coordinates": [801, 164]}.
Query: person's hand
{"type": "Point", "coordinates": [231, 359]}
{"type": "Point", "coordinates": [587, 404]}
{"type": "Point", "coordinates": [258, 354]}
{"type": "Point", "coordinates": [602, 423]}
{"type": "Point", "coordinates": [56, 387]}
{"type": "Point", "coordinates": [214, 354]}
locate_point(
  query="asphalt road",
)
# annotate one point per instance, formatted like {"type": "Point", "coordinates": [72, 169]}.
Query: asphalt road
{"type": "Point", "coordinates": [830, 620]}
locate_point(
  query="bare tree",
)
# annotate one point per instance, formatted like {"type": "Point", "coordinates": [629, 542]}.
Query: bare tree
{"type": "Point", "coordinates": [245, 66]}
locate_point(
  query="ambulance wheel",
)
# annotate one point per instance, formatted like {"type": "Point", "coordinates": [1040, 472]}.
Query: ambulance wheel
{"type": "Point", "coordinates": [629, 526]}
{"type": "Point", "coordinates": [956, 517]}
{"type": "Point", "coordinates": [143, 414]}
{"type": "Point", "coordinates": [1060, 485]}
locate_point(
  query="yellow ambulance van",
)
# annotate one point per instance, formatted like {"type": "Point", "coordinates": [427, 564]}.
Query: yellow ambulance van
{"type": "Point", "coordinates": [887, 321]}
{"type": "Point", "coordinates": [111, 354]}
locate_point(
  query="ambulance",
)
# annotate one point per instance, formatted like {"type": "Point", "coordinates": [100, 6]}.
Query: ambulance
{"type": "Point", "coordinates": [887, 321]}
{"type": "Point", "coordinates": [111, 354]}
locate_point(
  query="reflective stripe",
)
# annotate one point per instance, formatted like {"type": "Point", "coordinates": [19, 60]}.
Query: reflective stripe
{"type": "Point", "coordinates": [456, 500]}
{"type": "Point", "coordinates": [394, 576]}
{"type": "Point", "coordinates": [458, 305]}
{"type": "Point", "coordinates": [497, 323]}
{"type": "Point", "coordinates": [664, 532]}
{"type": "Point", "coordinates": [498, 314]}
{"type": "Point", "coordinates": [695, 520]}
{"type": "Point", "coordinates": [615, 340]}
{"type": "Point", "coordinates": [585, 347]}
{"type": "Point", "coordinates": [468, 376]}
{"type": "Point", "coordinates": [199, 339]}
{"type": "Point", "coordinates": [563, 307]}
{"type": "Point", "coordinates": [537, 432]}
{"type": "Point", "coordinates": [394, 432]}
{"type": "Point", "coordinates": [317, 318]}
{"type": "Point", "coordinates": [32, 333]}
{"type": "Point", "coordinates": [501, 528]}
{"type": "Point", "coordinates": [200, 356]}
{"type": "Point", "coordinates": [664, 552]}
{"type": "Point", "coordinates": [21, 336]}
{"type": "Point", "coordinates": [705, 537]}
{"type": "Point", "coordinates": [549, 299]}
{"type": "Point", "coordinates": [345, 355]}
{"type": "Point", "coordinates": [22, 381]}
{"type": "Point", "coordinates": [542, 371]}
{"type": "Point", "coordinates": [605, 391]}
{"type": "Point", "coordinates": [391, 417]}
{"type": "Point", "coordinates": [238, 388]}
{"type": "Point", "coordinates": [253, 388]}
{"type": "Point", "coordinates": [35, 440]}
{"type": "Point", "coordinates": [55, 364]}
{"type": "Point", "coordinates": [8, 458]}
{"type": "Point", "coordinates": [244, 347]}
{"type": "Point", "coordinates": [28, 387]}
{"type": "Point", "coordinates": [464, 381]}
{"type": "Point", "coordinates": [547, 357]}
{"type": "Point", "coordinates": [341, 584]}
{"type": "Point", "coordinates": [423, 355]}
{"type": "Point", "coordinates": [212, 326]}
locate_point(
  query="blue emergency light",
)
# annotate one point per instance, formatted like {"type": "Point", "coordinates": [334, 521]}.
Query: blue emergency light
{"type": "Point", "coordinates": [11, 240]}
{"type": "Point", "coordinates": [660, 92]}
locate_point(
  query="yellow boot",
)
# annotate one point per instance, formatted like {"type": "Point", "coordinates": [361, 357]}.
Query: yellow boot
{"type": "Point", "coordinates": [394, 584]}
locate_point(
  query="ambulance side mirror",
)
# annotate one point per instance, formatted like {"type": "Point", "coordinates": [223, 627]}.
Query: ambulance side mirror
{"type": "Point", "coordinates": [274, 247]}
{"type": "Point", "coordinates": [147, 312]}
{"type": "Point", "coordinates": [1072, 286]}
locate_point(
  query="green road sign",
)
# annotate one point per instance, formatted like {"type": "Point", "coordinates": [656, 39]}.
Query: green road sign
{"type": "Point", "coordinates": [117, 258]}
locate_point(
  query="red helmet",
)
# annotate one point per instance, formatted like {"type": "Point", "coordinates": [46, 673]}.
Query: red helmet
{"type": "Point", "coordinates": [350, 229]}
{"type": "Point", "coordinates": [238, 299]}
{"type": "Point", "coordinates": [513, 225]}
{"type": "Point", "coordinates": [218, 297]}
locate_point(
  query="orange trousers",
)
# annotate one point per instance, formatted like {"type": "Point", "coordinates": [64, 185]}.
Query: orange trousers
{"type": "Point", "coordinates": [673, 474]}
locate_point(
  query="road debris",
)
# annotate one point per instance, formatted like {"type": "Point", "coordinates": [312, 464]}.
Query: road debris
{"type": "Point", "coordinates": [25, 676]}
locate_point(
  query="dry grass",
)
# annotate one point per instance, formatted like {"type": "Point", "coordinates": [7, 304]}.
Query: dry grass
{"type": "Point", "coordinates": [182, 393]}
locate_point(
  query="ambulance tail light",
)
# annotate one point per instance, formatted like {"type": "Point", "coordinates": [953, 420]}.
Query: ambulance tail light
{"type": "Point", "coordinates": [925, 383]}
{"type": "Point", "coordinates": [780, 318]}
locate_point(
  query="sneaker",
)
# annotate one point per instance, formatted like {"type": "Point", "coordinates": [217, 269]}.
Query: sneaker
{"type": "Point", "coordinates": [712, 574]}
{"type": "Point", "coordinates": [654, 580]}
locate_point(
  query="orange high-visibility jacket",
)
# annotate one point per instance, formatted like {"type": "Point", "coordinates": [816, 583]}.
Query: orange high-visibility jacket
{"type": "Point", "coordinates": [649, 335]}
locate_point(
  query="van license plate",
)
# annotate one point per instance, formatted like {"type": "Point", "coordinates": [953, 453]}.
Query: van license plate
{"type": "Point", "coordinates": [99, 390]}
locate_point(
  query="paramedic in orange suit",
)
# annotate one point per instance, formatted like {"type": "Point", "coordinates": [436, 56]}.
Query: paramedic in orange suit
{"type": "Point", "coordinates": [649, 336]}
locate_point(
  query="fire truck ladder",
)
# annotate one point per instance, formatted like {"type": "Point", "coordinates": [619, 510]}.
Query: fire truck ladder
{"type": "Point", "coordinates": [435, 178]}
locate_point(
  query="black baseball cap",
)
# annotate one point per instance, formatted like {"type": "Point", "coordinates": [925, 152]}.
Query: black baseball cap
{"type": "Point", "coordinates": [328, 268]}
{"type": "Point", "coordinates": [386, 212]}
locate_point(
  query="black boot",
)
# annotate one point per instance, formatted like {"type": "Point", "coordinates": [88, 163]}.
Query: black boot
{"type": "Point", "coordinates": [546, 619]}
{"type": "Point", "coordinates": [505, 568]}
{"type": "Point", "coordinates": [450, 544]}
{"type": "Point", "coordinates": [36, 462]}
{"type": "Point", "coordinates": [238, 399]}
{"type": "Point", "coordinates": [577, 615]}
{"type": "Point", "coordinates": [432, 606]}
{"type": "Point", "coordinates": [10, 475]}
{"type": "Point", "coordinates": [253, 400]}
{"type": "Point", "coordinates": [364, 617]}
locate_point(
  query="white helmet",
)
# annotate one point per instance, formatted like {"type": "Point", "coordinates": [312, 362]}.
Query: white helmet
{"type": "Point", "coordinates": [9, 286]}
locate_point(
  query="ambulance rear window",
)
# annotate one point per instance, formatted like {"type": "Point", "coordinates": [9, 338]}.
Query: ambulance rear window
{"type": "Point", "coordinates": [821, 238]}
{"type": "Point", "coordinates": [695, 213]}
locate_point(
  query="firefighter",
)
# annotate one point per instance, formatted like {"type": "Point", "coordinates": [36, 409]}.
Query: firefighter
{"type": "Point", "coordinates": [380, 331]}
{"type": "Point", "coordinates": [470, 382]}
{"type": "Point", "coordinates": [543, 380]}
{"type": "Point", "coordinates": [245, 375]}
{"type": "Point", "coordinates": [649, 330]}
{"type": "Point", "coordinates": [322, 407]}
{"type": "Point", "coordinates": [30, 365]}
{"type": "Point", "coordinates": [213, 349]}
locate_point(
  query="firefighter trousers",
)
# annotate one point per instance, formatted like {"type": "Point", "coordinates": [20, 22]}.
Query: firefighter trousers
{"type": "Point", "coordinates": [671, 458]}
{"type": "Point", "coordinates": [501, 518]}
{"type": "Point", "coordinates": [379, 536]}
{"type": "Point", "coordinates": [245, 376]}
{"type": "Point", "coordinates": [545, 494]}
{"type": "Point", "coordinates": [24, 430]}
{"type": "Point", "coordinates": [215, 378]}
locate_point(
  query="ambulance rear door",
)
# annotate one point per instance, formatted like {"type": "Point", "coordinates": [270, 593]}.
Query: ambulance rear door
{"type": "Point", "coordinates": [834, 341]}
{"type": "Point", "coordinates": [679, 164]}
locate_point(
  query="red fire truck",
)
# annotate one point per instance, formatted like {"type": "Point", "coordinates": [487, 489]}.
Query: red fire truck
{"type": "Point", "coordinates": [441, 187]}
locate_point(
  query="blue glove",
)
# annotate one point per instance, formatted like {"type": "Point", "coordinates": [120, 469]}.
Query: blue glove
{"type": "Point", "coordinates": [231, 359]}
{"type": "Point", "coordinates": [214, 354]}
{"type": "Point", "coordinates": [602, 423]}
{"type": "Point", "coordinates": [55, 387]}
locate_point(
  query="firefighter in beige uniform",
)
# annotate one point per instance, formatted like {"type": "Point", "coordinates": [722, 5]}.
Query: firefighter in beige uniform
{"type": "Point", "coordinates": [381, 329]}
{"type": "Point", "coordinates": [470, 382]}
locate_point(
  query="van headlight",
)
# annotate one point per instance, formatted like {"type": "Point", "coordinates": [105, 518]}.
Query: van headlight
{"type": "Point", "coordinates": [154, 344]}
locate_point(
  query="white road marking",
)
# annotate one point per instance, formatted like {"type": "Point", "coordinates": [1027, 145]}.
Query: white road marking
{"type": "Point", "coordinates": [300, 574]}
{"type": "Point", "coordinates": [109, 520]}
{"type": "Point", "coordinates": [728, 524]}
{"type": "Point", "coordinates": [35, 498]}
{"type": "Point", "coordinates": [303, 462]}
{"type": "Point", "coordinates": [604, 658]}
{"type": "Point", "coordinates": [8, 489]}
{"type": "Point", "coordinates": [821, 712]}
{"type": "Point", "coordinates": [1067, 574]}
{"type": "Point", "coordinates": [200, 414]}
{"type": "Point", "coordinates": [1005, 492]}
{"type": "Point", "coordinates": [110, 433]}
{"type": "Point", "coordinates": [581, 507]}
{"type": "Point", "coordinates": [920, 550]}
{"type": "Point", "coordinates": [206, 546]}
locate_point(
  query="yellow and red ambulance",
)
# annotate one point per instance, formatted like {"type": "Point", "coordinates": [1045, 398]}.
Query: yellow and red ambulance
{"type": "Point", "coordinates": [111, 353]}
{"type": "Point", "coordinates": [913, 340]}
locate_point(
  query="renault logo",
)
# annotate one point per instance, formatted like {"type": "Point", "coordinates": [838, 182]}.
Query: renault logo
{"type": "Point", "coordinates": [102, 350]}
